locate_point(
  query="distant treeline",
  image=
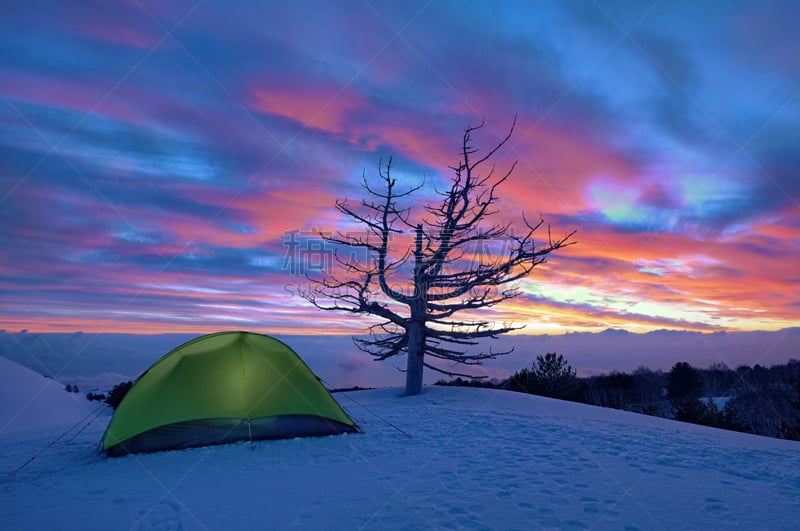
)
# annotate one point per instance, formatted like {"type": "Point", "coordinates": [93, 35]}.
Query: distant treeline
{"type": "Point", "coordinates": [759, 400]}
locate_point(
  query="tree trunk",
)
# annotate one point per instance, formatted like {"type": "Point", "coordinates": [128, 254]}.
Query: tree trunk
{"type": "Point", "coordinates": [416, 330]}
{"type": "Point", "coordinates": [416, 356]}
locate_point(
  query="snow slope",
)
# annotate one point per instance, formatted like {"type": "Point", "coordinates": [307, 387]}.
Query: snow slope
{"type": "Point", "coordinates": [29, 401]}
{"type": "Point", "coordinates": [450, 458]}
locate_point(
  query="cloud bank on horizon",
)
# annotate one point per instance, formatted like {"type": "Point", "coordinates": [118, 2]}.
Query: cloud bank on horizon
{"type": "Point", "coordinates": [161, 163]}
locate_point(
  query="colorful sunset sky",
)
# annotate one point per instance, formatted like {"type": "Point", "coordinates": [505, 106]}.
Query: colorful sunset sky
{"type": "Point", "coordinates": [161, 162]}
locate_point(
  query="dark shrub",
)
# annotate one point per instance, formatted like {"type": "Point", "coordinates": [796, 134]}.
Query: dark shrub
{"type": "Point", "coordinates": [117, 393]}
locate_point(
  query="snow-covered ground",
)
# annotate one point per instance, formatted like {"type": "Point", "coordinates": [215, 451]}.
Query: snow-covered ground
{"type": "Point", "coordinates": [29, 401]}
{"type": "Point", "coordinates": [450, 458]}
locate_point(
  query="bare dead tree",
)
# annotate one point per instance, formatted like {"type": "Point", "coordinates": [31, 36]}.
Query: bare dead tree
{"type": "Point", "coordinates": [417, 293]}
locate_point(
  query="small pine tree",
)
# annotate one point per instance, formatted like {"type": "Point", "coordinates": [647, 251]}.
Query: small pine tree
{"type": "Point", "coordinates": [683, 383]}
{"type": "Point", "coordinates": [551, 375]}
{"type": "Point", "coordinates": [693, 410]}
{"type": "Point", "coordinates": [730, 420]}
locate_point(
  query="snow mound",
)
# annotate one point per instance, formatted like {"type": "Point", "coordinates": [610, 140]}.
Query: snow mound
{"type": "Point", "coordinates": [29, 401]}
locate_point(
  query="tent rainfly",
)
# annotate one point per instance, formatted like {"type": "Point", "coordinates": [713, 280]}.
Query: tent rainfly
{"type": "Point", "coordinates": [220, 388]}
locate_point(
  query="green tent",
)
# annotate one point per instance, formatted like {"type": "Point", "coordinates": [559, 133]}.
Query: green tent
{"type": "Point", "coordinates": [220, 388]}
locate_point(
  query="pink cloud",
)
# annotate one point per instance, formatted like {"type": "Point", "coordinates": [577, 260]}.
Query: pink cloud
{"type": "Point", "coordinates": [322, 107]}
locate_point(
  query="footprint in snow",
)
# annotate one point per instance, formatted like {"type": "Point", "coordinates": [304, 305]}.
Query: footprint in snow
{"type": "Point", "coordinates": [505, 494]}
{"type": "Point", "coordinates": [164, 516]}
{"type": "Point", "coordinates": [715, 506]}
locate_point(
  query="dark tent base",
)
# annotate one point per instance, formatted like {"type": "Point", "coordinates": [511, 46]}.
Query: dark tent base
{"type": "Point", "coordinates": [205, 432]}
